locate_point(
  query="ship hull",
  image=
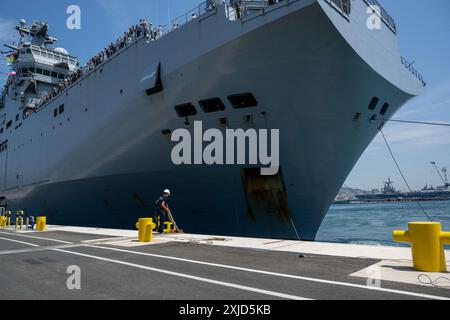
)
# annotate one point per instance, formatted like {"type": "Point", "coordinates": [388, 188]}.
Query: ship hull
{"type": "Point", "coordinates": [104, 162]}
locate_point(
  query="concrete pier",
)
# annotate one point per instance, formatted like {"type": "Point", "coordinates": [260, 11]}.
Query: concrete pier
{"type": "Point", "coordinates": [111, 264]}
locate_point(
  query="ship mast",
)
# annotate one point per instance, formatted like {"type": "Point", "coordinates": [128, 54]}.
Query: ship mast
{"type": "Point", "coordinates": [38, 32]}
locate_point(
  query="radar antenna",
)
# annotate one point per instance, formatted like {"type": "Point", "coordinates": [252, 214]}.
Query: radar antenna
{"type": "Point", "coordinates": [38, 32]}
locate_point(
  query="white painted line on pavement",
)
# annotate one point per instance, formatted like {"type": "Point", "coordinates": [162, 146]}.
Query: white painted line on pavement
{"type": "Point", "coordinates": [34, 237]}
{"type": "Point", "coordinates": [187, 276]}
{"type": "Point", "coordinates": [345, 284]}
{"type": "Point", "coordinates": [36, 249]}
{"type": "Point", "coordinates": [21, 242]}
{"type": "Point", "coordinates": [176, 274]}
{"type": "Point", "coordinates": [226, 284]}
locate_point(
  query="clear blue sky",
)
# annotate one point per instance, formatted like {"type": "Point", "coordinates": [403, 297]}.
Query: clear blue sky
{"type": "Point", "coordinates": [424, 37]}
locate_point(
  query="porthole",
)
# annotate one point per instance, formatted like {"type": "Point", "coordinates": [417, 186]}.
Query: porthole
{"type": "Point", "coordinates": [373, 104]}
{"type": "Point", "coordinates": [186, 110]}
{"type": "Point", "coordinates": [212, 105]}
{"type": "Point", "coordinates": [243, 100]}
{"type": "Point", "coordinates": [384, 109]}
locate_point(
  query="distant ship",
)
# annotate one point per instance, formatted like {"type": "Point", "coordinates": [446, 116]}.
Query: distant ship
{"type": "Point", "coordinates": [97, 153]}
{"type": "Point", "coordinates": [390, 194]}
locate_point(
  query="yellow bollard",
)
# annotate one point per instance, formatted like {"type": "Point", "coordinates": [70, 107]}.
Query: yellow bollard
{"type": "Point", "coordinates": [41, 223]}
{"type": "Point", "coordinates": [19, 224]}
{"type": "Point", "coordinates": [427, 244]}
{"type": "Point", "coordinates": [2, 222]}
{"type": "Point", "coordinates": [170, 228]}
{"type": "Point", "coordinates": [19, 220]}
{"type": "Point", "coordinates": [145, 227]}
{"type": "Point", "coordinates": [8, 220]}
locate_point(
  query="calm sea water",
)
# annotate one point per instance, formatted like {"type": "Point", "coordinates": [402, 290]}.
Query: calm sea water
{"type": "Point", "coordinates": [374, 223]}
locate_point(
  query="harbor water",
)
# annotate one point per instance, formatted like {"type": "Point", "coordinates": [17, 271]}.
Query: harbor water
{"type": "Point", "coordinates": [373, 223]}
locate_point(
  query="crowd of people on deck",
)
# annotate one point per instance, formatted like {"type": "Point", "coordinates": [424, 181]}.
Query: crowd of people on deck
{"type": "Point", "coordinates": [143, 29]}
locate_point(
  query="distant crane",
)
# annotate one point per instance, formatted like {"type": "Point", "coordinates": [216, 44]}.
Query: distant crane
{"type": "Point", "coordinates": [442, 174]}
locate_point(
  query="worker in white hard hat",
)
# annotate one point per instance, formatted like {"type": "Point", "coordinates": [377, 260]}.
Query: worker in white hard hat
{"type": "Point", "coordinates": [162, 210]}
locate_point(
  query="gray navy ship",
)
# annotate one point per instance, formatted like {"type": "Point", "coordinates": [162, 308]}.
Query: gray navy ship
{"type": "Point", "coordinates": [97, 151]}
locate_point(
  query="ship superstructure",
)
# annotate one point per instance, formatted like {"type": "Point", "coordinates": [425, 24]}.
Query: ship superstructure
{"type": "Point", "coordinates": [37, 68]}
{"type": "Point", "coordinates": [91, 146]}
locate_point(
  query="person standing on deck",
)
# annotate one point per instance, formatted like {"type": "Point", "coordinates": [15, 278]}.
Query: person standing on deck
{"type": "Point", "coordinates": [162, 210]}
{"type": "Point", "coordinates": [210, 5]}
{"type": "Point", "coordinates": [236, 5]}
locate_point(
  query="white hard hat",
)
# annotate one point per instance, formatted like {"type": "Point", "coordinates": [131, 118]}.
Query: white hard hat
{"type": "Point", "coordinates": [167, 191]}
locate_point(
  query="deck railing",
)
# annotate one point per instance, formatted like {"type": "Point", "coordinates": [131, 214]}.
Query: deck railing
{"type": "Point", "coordinates": [235, 10]}
{"type": "Point", "coordinates": [195, 13]}
{"type": "Point", "coordinates": [344, 5]}
{"type": "Point", "coordinates": [383, 13]}
{"type": "Point", "coordinates": [413, 70]}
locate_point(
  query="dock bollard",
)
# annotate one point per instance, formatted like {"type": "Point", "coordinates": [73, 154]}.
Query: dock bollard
{"type": "Point", "coordinates": [169, 227]}
{"type": "Point", "coordinates": [427, 244]}
{"type": "Point", "coordinates": [2, 222]}
{"type": "Point", "coordinates": [19, 224]}
{"type": "Point", "coordinates": [145, 227]}
{"type": "Point", "coordinates": [19, 220]}
{"type": "Point", "coordinates": [8, 220]}
{"type": "Point", "coordinates": [41, 223]}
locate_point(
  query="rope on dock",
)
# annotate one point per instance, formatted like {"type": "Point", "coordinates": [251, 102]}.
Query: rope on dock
{"type": "Point", "coordinates": [425, 279]}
